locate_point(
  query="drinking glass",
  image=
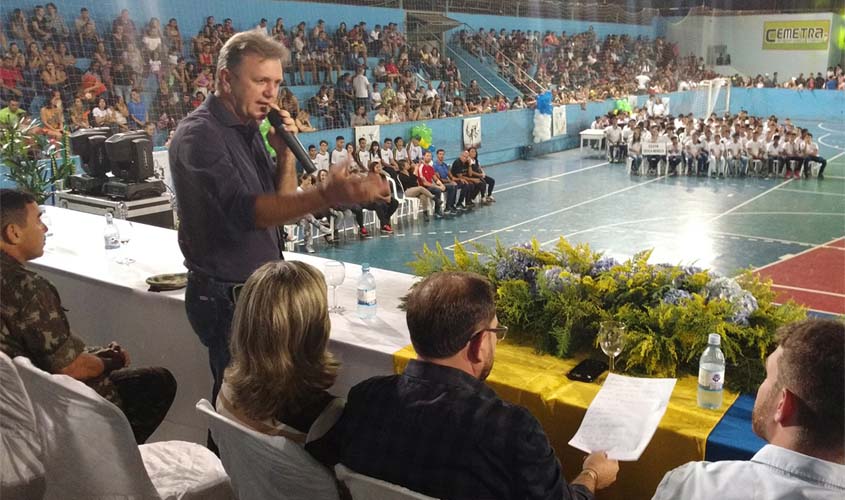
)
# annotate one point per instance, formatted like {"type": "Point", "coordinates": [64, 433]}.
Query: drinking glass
{"type": "Point", "coordinates": [125, 229]}
{"type": "Point", "coordinates": [335, 274]}
{"type": "Point", "coordinates": [612, 340]}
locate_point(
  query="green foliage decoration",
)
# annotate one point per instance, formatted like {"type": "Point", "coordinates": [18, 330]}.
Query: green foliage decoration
{"type": "Point", "coordinates": [555, 300]}
{"type": "Point", "coordinates": [34, 163]}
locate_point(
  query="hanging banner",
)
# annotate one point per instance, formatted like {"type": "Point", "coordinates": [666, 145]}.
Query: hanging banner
{"type": "Point", "coordinates": [369, 132]}
{"type": "Point", "coordinates": [472, 132]}
{"type": "Point", "coordinates": [559, 120]}
{"type": "Point", "coordinates": [796, 35]}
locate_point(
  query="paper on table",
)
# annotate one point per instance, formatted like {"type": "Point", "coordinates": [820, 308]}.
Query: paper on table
{"type": "Point", "coordinates": [623, 416]}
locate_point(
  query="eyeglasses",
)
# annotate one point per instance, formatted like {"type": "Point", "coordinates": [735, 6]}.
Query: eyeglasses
{"type": "Point", "coordinates": [501, 332]}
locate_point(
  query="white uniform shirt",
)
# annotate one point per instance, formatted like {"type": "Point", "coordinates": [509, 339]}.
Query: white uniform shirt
{"type": "Point", "coordinates": [717, 149]}
{"type": "Point", "coordinates": [755, 148]}
{"type": "Point", "coordinates": [414, 152]}
{"type": "Point", "coordinates": [773, 473]}
{"type": "Point", "coordinates": [735, 149]}
{"type": "Point", "coordinates": [613, 134]}
{"type": "Point", "coordinates": [339, 157]}
{"type": "Point", "coordinates": [386, 157]}
{"type": "Point", "coordinates": [322, 161]}
{"type": "Point", "coordinates": [361, 87]}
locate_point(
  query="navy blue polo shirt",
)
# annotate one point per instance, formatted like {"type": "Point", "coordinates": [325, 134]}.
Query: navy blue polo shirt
{"type": "Point", "coordinates": [219, 167]}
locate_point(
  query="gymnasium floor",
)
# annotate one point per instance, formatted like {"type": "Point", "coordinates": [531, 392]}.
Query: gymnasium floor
{"type": "Point", "coordinates": [791, 229]}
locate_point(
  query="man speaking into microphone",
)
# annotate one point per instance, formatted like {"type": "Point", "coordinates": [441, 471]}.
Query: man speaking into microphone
{"type": "Point", "coordinates": [232, 197]}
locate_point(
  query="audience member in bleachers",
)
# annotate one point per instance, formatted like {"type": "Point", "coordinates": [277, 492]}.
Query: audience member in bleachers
{"type": "Point", "coordinates": [35, 326]}
{"type": "Point", "coordinates": [12, 114]}
{"type": "Point", "coordinates": [437, 428]}
{"type": "Point", "coordinates": [799, 412]}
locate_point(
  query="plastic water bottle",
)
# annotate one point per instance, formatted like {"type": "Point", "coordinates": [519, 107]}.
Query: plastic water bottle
{"type": "Point", "coordinates": [366, 293]}
{"type": "Point", "coordinates": [111, 234]}
{"type": "Point", "coordinates": [711, 374]}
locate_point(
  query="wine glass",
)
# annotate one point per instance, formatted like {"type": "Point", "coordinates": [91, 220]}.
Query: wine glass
{"type": "Point", "coordinates": [612, 340]}
{"type": "Point", "coordinates": [335, 274]}
{"type": "Point", "coordinates": [125, 230]}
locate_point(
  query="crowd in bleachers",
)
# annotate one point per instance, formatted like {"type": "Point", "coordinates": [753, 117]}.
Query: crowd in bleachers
{"type": "Point", "coordinates": [582, 67]}
{"type": "Point", "coordinates": [832, 79]}
{"type": "Point", "coordinates": [719, 146]}
{"type": "Point", "coordinates": [77, 74]}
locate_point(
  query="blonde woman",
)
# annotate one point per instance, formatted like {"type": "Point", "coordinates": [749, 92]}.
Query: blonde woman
{"type": "Point", "coordinates": [280, 371]}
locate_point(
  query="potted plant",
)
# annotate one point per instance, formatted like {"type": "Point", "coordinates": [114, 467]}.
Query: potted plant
{"type": "Point", "coordinates": [34, 163]}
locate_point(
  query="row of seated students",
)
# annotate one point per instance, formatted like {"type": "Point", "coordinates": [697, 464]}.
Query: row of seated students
{"type": "Point", "coordinates": [738, 145]}
{"type": "Point", "coordinates": [442, 189]}
{"type": "Point", "coordinates": [437, 428]}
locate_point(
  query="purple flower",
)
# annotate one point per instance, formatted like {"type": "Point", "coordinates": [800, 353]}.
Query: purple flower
{"type": "Point", "coordinates": [744, 304]}
{"type": "Point", "coordinates": [603, 265]}
{"type": "Point", "coordinates": [674, 296]}
{"type": "Point", "coordinates": [518, 265]}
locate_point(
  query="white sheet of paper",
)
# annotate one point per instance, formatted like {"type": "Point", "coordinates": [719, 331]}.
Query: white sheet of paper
{"type": "Point", "coordinates": [623, 416]}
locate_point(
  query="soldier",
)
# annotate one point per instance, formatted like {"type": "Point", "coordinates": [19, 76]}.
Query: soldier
{"type": "Point", "coordinates": [33, 324]}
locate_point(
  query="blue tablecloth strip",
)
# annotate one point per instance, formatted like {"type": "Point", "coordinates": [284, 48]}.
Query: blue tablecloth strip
{"type": "Point", "coordinates": [732, 438]}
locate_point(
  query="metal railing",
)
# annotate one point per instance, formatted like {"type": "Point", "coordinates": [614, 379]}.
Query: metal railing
{"type": "Point", "coordinates": [510, 61]}
{"type": "Point", "coordinates": [458, 57]}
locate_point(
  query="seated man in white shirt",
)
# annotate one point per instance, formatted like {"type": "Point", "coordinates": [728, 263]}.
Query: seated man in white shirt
{"type": "Point", "coordinates": [756, 150]}
{"type": "Point", "coordinates": [616, 149]}
{"type": "Point", "coordinates": [737, 156]}
{"type": "Point", "coordinates": [717, 156]}
{"type": "Point", "coordinates": [800, 412]}
{"type": "Point", "coordinates": [811, 154]}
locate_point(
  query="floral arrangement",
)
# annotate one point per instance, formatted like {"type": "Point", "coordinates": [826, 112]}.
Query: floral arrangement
{"type": "Point", "coordinates": [555, 300]}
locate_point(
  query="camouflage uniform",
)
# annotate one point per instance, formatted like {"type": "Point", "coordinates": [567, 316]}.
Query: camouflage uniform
{"type": "Point", "coordinates": [34, 325]}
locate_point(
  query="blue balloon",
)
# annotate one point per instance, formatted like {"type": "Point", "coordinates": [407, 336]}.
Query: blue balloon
{"type": "Point", "coordinates": [544, 103]}
{"type": "Point", "coordinates": [432, 149]}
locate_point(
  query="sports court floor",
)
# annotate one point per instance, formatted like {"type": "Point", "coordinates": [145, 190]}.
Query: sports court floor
{"type": "Point", "coordinates": [791, 229]}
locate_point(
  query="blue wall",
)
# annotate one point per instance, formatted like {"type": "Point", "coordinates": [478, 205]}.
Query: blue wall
{"type": "Point", "coordinates": [827, 105]}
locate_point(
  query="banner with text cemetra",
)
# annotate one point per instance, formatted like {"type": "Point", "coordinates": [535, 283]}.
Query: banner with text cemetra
{"type": "Point", "coordinates": [796, 35]}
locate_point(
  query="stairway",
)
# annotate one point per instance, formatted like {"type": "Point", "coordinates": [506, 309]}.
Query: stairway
{"type": "Point", "coordinates": [485, 73]}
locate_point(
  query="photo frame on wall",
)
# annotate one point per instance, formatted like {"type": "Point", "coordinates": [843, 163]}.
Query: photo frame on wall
{"type": "Point", "coordinates": [559, 120]}
{"type": "Point", "coordinates": [369, 132]}
{"type": "Point", "coordinates": [472, 132]}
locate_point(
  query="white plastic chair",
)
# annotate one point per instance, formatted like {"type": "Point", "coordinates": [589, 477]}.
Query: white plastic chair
{"type": "Point", "coordinates": [90, 451]}
{"type": "Point", "coordinates": [263, 466]}
{"type": "Point", "coordinates": [368, 488]}
{"type": "Point", "coordinates": [407, 206]}
{"type": "Point", "coordinates": [756, 165]}
{"type": "Point", "coordinates": [21, 449]}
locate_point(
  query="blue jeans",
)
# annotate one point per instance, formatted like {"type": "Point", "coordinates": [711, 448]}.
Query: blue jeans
{"type": "Point", "coordinates": [210, 307]}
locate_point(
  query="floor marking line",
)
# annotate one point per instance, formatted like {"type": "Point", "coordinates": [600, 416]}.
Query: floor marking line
{"type": "Point", "coordinates": [780, 261]}
{"type": "Point", "coordinates": [812, 192]}
{"type": "Point", "coordinates": [830, 145]}
{"type": "Point", "coordinates": [746, 202]}
{"type": "Point", "coordinates": [808, 290]}
{"type": "Point", "coordinates": [830, 130]}
{"type": "Point", "coordinates": [544, 179]}
{"type": "Point", "coordinates": [561, 210]}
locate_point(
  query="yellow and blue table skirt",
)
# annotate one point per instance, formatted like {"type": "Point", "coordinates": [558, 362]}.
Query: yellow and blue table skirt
{"type": "Point", "coordinates": [686, 433]}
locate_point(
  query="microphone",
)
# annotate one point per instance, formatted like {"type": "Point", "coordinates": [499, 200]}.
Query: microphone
{"type": "Point", "coordinates": [292, 142]}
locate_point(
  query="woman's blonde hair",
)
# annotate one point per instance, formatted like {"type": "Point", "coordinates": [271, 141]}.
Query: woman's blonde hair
{"type": "Point", "coordinates": [279, 336]}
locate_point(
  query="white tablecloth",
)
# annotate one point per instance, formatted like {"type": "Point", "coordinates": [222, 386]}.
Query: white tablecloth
{"type": "Point", "coordinates": [108, 301]}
